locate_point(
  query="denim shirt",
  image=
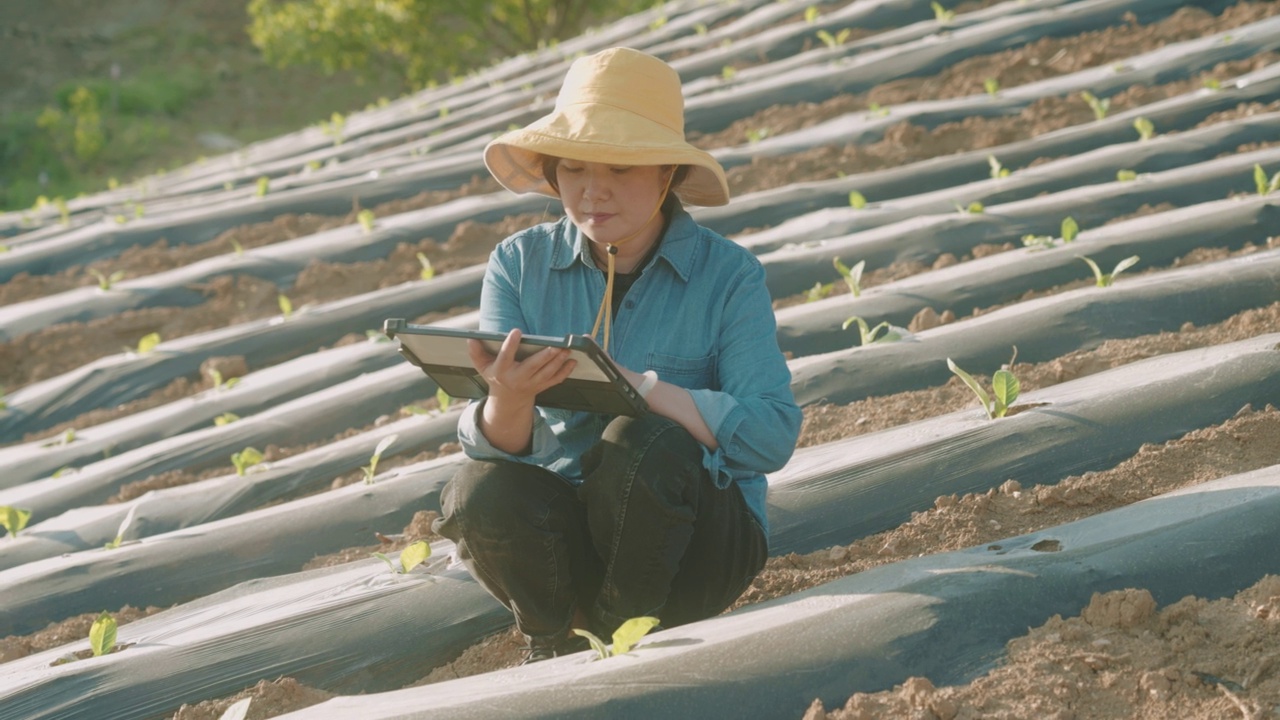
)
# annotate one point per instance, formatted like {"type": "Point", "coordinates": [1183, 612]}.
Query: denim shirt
{"type": "Point", "coordinates": [699, 315]}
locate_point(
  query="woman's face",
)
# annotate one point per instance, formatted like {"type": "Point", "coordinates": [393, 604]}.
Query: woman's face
{"type": "Point", "coordinates": [610, 203]}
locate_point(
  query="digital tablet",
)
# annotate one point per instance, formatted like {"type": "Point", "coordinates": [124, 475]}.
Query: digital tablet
{"type": "Point", "coordinates": [595, 385]}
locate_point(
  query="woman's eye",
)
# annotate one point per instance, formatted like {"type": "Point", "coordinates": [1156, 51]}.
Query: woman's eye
{"type": "Point", "coordinates": [620, 170]}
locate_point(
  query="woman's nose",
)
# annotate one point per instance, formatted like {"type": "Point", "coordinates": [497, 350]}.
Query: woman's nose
{"type": "Point", "coordinates": [597, 186]}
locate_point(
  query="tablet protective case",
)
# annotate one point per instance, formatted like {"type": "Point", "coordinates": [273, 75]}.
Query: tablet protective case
{"type": "Point", "coordinates": [596, 385]}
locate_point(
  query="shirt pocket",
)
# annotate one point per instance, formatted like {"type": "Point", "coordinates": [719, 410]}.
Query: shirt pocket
{"type": "Point", "coordinates": [696, 373]}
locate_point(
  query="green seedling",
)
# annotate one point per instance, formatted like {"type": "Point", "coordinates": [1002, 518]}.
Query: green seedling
{"type": "Point", "coordinates": [1099, 107]}
{"type": "Point", "coordinates": [148, 342]}
{"type": "Point", "coordinates": [112, 183]}
{"type": "Point", "coordinates": [811, 14]}
{"type": "Point", "coordinates": [941, 14]}
{"type": "Point", "coordinates": [991, 85]}
{"type": "Point", "coordinates": [14, 519]}
{"type": "Point", "coordinates": [312, 166]}
{"type": "Point", "coordinates": [857, 200]}
{"type": "Point", "coordinates": [428, 270]}
{"type": "Point", "coordinates": [444, 111]}
{"type": "Point", "coordinates": [67, 437]}
{"type": "Point", "coordinates": [410, 558]}
{"type": "Point", "coordinates": [124, 527]}
{"type": "Point", "coordinates": [871, 335]}
{"type": "Point", "coordinates": [264, 184]}
{"type": "Point", "coordinates": [365, 218]}
{"type": "Point", "coordinates": [755, 136]}
{"type": "Point", "coordinates": [372, 467]}
{"type": "Point", "coordinates": [1260, 181]}
{"type": "Point", "coordinates": [333, 127]}
{"type": "Point", "coordinates": [238, 710]}
{"type": "Point", "coordinates": [286, 305]}
{"type": "Point", "coordinates": [997, 170]}
{"type": "Point", "coordinates": [414, 410]}
{"type": "Point", "coordinates": [1126, 175]}
{"type": "Point", "coordinates": [624, 638]}
{"type": "Point", "coordinates": [1146, 129]}
{"type": "Point", "coordinates": [1004, 388]}
{"type": "Point", "coordinates": [443, 400]}
{"type": "Point", "coordinates": [1105, 279]}
{"type": "Point", "coordinates": [106, 281]}
{"type": "Point", "coordinates": [225, 418]}
{"type": "Point", "coordinates": [700, 28]}
{"type": "Point", "coordinates": [833, 41]}
{"type": "Point", "coordinates": [728, 72]}
{"type": "Point", "coordinates": [1213, 84]}
{"type": "Point", "coordinates": [246, 459]}
{"type": "Point", "coordinates": [64, 470]}
{"type": "Point", "coordinates": [236, 247]}
{"type": "Point", "coordinates": [852, 276]}
{"type": "Point", "coordinates": [64, 212]}
{"type": "Point", "coordinates": [1070, 229]}
{"type": "Point", "coordinates": [376, 336]}
{"type": "Point", "coordinates": [658, 22]}
{"type": "Point", "coordinates": [138, 212]}
{"type": "Point", "coordinates": [218, 383]}
{"type": "Point", "coordinates": [102, 635]}
{"type": "Point", "coordinates": [819, 291]}
{"type": "Point", "coordinates": [120, 219]}
{"type": "Point", "coordinates": [876, 110]}
{"type": "Point", "coordinates": [973, 208]}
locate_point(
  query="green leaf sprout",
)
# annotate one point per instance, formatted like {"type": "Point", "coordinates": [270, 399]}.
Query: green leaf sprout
{"type": "Point", "coordinates": [819, 291]}
{"type": "Point", "coordinates": [102, 635]}
{"type": "Point", "coordinates": [225, 418]}
{"type": "Point", "coordinates": [871, 335]}
{"type": "Point", "coordinates": [941, 14]}
{"type": "Point", "coordinates": [857, 200]}
{"type": "Point", "coordinates": [148, 342]}
{"type": "Point", "coordinates": [365, 218]}
{"type": "Point", "coordinates": [264, 184]}
{"type": "Point", "coordinates": [852, 276]}
{"type": "Point", "coordinates": [997, 170]}
{"type": "Point", "coordinates": [286, 305]}
{"type": "Point", "coordinates": [624, 638]}
{"type": "Point", "coordinates": [14, 519]}
{"type": "Point", "coordinates": [1126, 175]}
{"type": "Point", "coordinates": [991, 85]}
{"type": "Point", "coordinates": [1261, 183]}
{"type": "Point", "coordinates": [246, 459]}
{"type": "Point", "coordinates": [372, 467]}
{"type": "Point", "coordinates": [1004, 388]}
{"type": "Point", "coordinates": [811, 14]}
{"type": "Point", "coordinates": [1102, 279]}
{"type": "Point", "coordinates": [1146, 129]}
{"type": "Point", "coordinates": [443, 400]}
{"type": "Point", "coordinates": [1070, 229]}
{"type": "Point", "coordinates": [124, 527]}
{"type": "Point", "coordinates": [1099, 107]}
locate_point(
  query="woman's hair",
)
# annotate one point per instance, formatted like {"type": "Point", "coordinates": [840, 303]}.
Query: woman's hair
{"type": "Point", "coordinates": [549, 163]}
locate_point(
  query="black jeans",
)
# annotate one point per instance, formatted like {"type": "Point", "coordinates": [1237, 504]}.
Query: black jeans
{"type": "Point", "coordinates": [646, 533]}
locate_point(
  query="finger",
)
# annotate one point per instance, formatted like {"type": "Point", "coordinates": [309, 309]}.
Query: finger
{"type": "Point", "coordinates": [545, 373]}
{"type": "Point", "coordinates": [481, 358]}
{"type": "Point", "coordinates": [507, 353]}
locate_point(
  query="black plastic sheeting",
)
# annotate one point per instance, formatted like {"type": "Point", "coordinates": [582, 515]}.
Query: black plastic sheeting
{"type": "Point", "coordinates": [822, 498]}
{"type": "Point", "coordinates": [392, 629]}
{"type": "Point", "coordinates": [712, 112]}
{"type": "Point", "coordinates": [826, 495]}
{"type": "Point", "coordinates": [945, 617]}
{"type": "Point", "coordinates": [310, 418]}
{"type": "Point", "coordinates": [118, 379]}
{"type": "Point", "coordinates": [161, 511]}
{"type": "Point", "coordinates": [1158, 240]}
{"type": "Point", "coordinates": [1042, 329]}
{"type": "Point", "coordinates": [1173, 62]}
{"type": "Point", "coordinates": [1094, 167]}
{"type": "Point", "coordinates": [279, 263]}
{"type": "Point", "coordinates": [795, 269]}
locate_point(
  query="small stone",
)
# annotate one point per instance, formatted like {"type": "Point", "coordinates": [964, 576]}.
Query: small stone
{"type": "Point", "coordinates": [943, 501]}
{"type": "Point", "coordinates": [815, 711]}
{"type": "Point", "coordinates": [838, 554]}
{"type": "Point", "coordinates": [945, 260]}
{"type": "Point", "coordinates": [944, 708]}
{"type": "Point", "coordinates": [917, 691]}
{"type": "Point", "coordinates": [1009, 487]}
{"type": "Point", "coordinates": [1187, 327]}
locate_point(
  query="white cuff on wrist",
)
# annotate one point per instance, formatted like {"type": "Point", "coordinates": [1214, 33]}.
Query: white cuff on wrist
{"type": "Point", "coordinates": [650, 380]}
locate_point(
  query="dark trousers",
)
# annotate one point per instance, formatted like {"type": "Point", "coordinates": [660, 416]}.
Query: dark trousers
{"type": "Point", "coordinates": [646, 533]}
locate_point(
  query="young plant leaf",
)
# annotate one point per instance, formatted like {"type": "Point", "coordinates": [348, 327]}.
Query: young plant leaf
{"type": "Point", "coordinates": [1004, 388]}
{"type": "Point", "coordinates": [997, 170]}
{"type": "Point", "coordinates": [102, 635]}
{"type": "Point", "coordinates": [414, 555]}
{"type": "Point", "coordinates": [1126, 175]}
{"type": "Point", "coordinates": [238, 711]}
{"type": "Point", "coordinates": [819, 291]}
{"type": "Point", "coordinates": [371, 469]}
{"type": "Point", "coordinates": [1123, 265]}
{"type": "Point", "coordinates": [14, 519]}
{"type": "Point", "coordinates": [428, 271]}
{"type": "Point", "coordinates": [246, 459]}
{"type": "Point", "coordinates": [1146, 129]}
{"type": "Point", "coordinates": [225, 418]}
{"type": "Point", "coordinates": [852, 276]}
{"type": "Point", "coordinates": [365, 218]}
{"type": "Point", "coordinates": [602, 651]}
{"type": "Point", "coordinates": [811, 14]}
{"type": "Point", "coordinates": [941, 14]}
{"type": "Point", "coordinates": [443, 400]}
{"type": "Point", "coordinates": [148, 343]}
{"type": "Point", "coordinates": [856, 200]}
{"type": "Point", "coordinates": [630, 633]}
{"type": "Point", "coordinates": [1070, 229]}
{"type": "Point", "coordinates": [124, 527]}
{"type": "Point", "coordinates": [1099, 107]}
{"type": "Point", "coordinates": [383, 557]}
{"type": "Point", "coordinates": [286, 305]}
{"type": "Point", "coordinates": [1100, 280]}
{"type": "Point", "coordinates": [983, 397]}
{"type": "Point", "coordinates": [991, 85]}
{"type": "Point", "coordinates": [264, 184]}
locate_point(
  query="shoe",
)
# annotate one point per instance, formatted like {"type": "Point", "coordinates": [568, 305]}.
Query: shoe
{"type": "Point", "coordinates": [545, 648]}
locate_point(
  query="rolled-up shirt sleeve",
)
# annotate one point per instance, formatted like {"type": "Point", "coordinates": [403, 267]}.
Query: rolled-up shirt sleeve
{"type": "Point", "coordinates": [545, 448]}
{"type": "Point", "coordinates": [753, 415]}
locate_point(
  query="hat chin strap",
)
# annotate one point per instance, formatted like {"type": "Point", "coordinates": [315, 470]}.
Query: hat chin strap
{"type": "Point", "coordinates": [605, 313]}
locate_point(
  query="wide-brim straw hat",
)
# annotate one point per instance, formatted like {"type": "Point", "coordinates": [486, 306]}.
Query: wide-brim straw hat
{"type": "Point", "coordinates": [618, 107]}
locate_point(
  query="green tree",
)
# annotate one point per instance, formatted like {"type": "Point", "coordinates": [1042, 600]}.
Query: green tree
{"type": "Point", "coordinates": [418, 40]}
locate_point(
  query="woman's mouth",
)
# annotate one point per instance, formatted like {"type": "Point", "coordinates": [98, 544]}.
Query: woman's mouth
{"type": "Point", "coordinates": [598, 218]}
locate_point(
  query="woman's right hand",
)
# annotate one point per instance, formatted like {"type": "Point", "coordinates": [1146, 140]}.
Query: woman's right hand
{"type": "Point", "coordinates": [518, 382]}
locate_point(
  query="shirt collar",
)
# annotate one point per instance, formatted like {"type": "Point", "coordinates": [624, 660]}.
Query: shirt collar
{"type": "Point", "coordinates": [677, 248]}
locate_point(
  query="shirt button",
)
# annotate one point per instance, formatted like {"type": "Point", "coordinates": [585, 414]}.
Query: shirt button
{"type": "Point", "coordinates": [630, 303]}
